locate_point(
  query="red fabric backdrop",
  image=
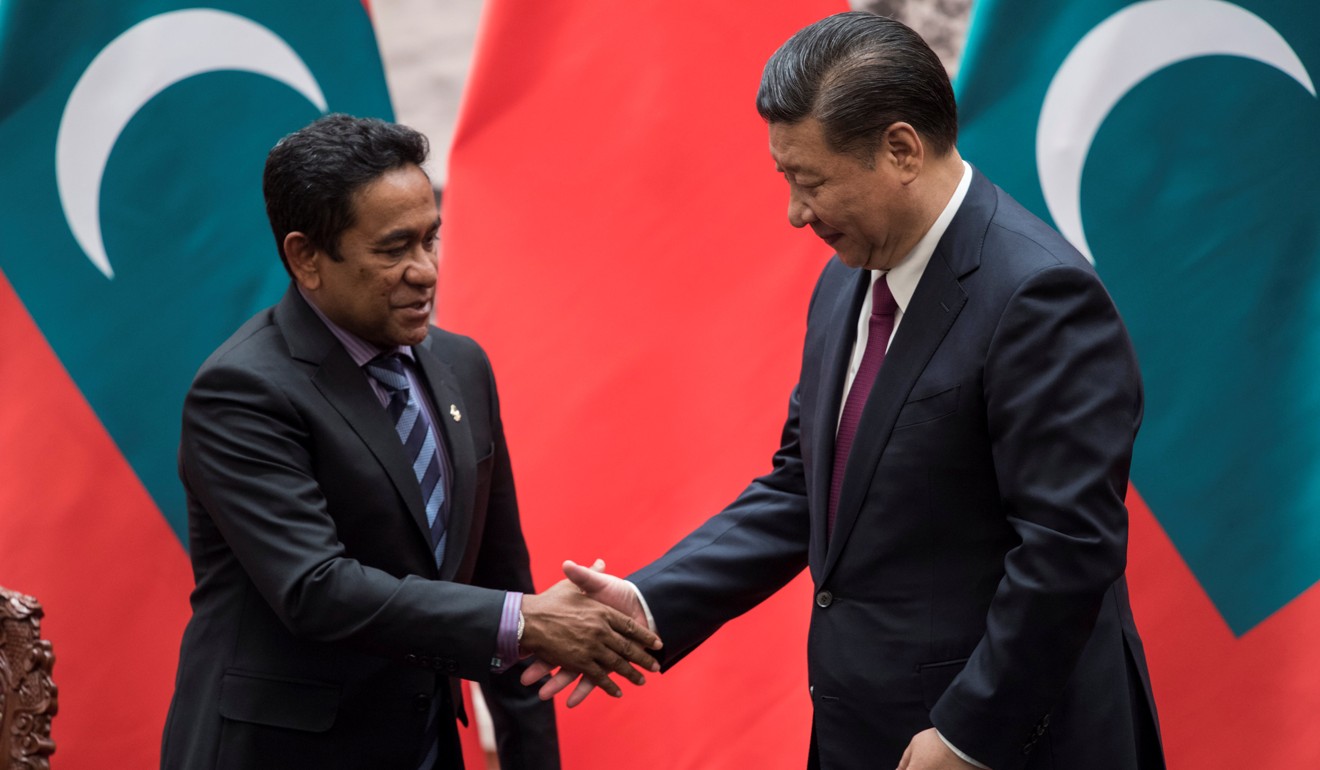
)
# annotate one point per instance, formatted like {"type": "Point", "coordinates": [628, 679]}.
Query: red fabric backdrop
{"type": "Point", "coordinates": [615, 236]}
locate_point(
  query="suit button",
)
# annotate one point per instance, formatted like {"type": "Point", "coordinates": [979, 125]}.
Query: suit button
{"type": "Point", "coordinates": [422, 703]}
{"type": "Point", "coordinates": [410, 659]}
{"type": "Point", "coordinates": [824, 599]}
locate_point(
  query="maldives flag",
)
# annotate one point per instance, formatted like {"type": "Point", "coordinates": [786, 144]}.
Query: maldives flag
{"type": "Point", "coordinates": [134, 240]}
{"type": "Point", "coordinates": [616, 237]}
{"type": "Point", "coordinates": [1174, 141]}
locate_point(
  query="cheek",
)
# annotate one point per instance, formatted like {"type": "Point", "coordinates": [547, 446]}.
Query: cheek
{"type": "Point", "coordinates": [827, 207]}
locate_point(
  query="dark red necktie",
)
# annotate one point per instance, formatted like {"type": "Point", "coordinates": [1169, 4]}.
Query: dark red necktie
{"type": "Point", "coordinates": [880, 326]}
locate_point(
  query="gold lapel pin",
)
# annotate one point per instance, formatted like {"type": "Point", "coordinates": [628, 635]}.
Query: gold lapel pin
{"type": "Point", "coordinates": [453, 412]}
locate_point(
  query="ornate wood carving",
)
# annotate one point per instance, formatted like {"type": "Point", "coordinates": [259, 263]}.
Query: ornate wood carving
{"type": "Point", "coordinates": [28, 697]}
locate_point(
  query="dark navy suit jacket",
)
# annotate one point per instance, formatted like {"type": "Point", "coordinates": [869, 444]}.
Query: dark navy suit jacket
{"type": "Point", "coordinates": [975, 577]}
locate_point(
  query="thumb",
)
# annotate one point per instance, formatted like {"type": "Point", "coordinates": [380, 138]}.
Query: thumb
{"type": "Point", "coordinates": [587, 580]}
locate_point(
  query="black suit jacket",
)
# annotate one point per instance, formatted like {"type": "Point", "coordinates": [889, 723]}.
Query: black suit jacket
{"type": "Point", "coordinates": [321, 627]}
{"type": "Point", "coordinates": [974, 580]}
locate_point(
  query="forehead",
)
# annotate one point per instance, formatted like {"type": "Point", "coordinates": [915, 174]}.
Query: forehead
{"type": "Point", "coordinates": [799, 146]}
{"type": "Point", "coordinates": [397, 198]}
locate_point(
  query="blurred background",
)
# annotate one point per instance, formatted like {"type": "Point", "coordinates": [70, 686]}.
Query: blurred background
{"type": "Point", "coordinates": [427, 49]}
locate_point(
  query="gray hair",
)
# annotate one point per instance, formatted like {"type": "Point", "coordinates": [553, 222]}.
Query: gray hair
{"type": "Point", "coordinates": [858, 74]}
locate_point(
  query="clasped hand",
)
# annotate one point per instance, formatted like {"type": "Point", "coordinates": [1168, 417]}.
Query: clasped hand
{"type": "Point", "coordinates": [595, 586]}
{"type": "Point", "coordinates": [567, 628]}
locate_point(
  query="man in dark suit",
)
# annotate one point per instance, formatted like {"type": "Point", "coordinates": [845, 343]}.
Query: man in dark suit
{"type": "Point", "coordinates": [353, 527]}
{"type": "Point", "coordinates": [955, 460]}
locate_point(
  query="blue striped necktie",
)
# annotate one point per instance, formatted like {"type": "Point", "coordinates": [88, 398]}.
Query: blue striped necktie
{"type": "Point", "coordinates": [420, 442]}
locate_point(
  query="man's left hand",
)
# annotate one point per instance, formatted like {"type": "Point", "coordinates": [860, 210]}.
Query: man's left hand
{"type": "Point", "coordinates": [927, 751]}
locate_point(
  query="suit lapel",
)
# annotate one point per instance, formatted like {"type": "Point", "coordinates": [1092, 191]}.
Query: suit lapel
{"type": "Point", "coordinates": [841, 334]}
{"type": "Point", "coordinates": [345, 387]}
{"type": "Point", "coordinates": [934, 307]}
{"type": "Point", "coordinates": [449, 412]}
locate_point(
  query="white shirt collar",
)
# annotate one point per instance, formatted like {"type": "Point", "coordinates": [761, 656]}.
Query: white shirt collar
{"type": "Point", "coordinates": [904, 278]}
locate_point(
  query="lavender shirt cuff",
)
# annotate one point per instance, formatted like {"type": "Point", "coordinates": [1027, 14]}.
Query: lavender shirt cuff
{"type": "Point", "coordinates": [506, 640]}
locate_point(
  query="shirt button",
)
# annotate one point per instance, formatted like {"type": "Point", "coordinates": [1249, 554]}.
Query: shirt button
{"type": "Point", "coordinates": [824, 599]}
{"type": "Point", "coordinates": [422, 703]}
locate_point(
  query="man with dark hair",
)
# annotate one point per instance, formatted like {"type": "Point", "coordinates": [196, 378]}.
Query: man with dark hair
{"type": "Point", "coordinates": [955, 460]}
{"type": "Point", "coordinates": [353, 527]}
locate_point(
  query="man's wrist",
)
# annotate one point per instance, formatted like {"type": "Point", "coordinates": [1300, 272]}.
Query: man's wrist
{"type": "Point", "coordinates": [510, 632]}
{"type": "Point", "coordinates": [646, 608]}
{"type": "Point", "coordinates": [958, 752]}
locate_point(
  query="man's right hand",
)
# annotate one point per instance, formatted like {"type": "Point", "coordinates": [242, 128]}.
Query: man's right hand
{"type": "Point", "coordinates": [601, 587]}
{"type": "Point", "coordinates": [566, 628]}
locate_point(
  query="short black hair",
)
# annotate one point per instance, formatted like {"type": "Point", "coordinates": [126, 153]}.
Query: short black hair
{"type": "Point", "coordinates": [859, 73]}
{"type": "Point", "coordinates": [313, 174]}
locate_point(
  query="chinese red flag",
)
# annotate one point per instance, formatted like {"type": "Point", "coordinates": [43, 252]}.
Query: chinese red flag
{"type": "Point", "coordinates": [616, 237]}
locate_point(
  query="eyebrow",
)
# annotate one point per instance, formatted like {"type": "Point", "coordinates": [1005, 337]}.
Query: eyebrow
{"type": "Point", "coordinates": [402, 234]}
{"type": "Point", "coordinates": [399, 234]}
{"type": "Point", "coordinates": [793, 168]}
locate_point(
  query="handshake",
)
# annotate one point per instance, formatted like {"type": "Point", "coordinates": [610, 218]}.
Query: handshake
{"type": "Point", "coordinates": [583, 629]}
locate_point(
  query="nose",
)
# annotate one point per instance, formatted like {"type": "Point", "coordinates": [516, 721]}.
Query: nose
{"type": "Point", "coordinates": [422, 268]}
{"type": "Point", "coordinates": [799, 213]}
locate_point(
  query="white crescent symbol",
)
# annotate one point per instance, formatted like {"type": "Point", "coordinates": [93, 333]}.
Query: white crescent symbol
{"type": "Point", "coordinates": [1122, 51]}
{"type": "Point", "coordinates": [143, 61]}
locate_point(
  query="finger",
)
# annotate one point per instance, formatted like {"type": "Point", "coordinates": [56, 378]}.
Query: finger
{"type": "Point", "coordinates": [598, 565]}
{"type": "Point", "coordinates": [535, 671]}
{"type": "Point", "coordinates": [562, 678]}
{"type": "Point", "coordinates": [602, 679]}
{"type": "Point", "coordinates": [580, 692]}
{"type": "Point", "coordinates": [635, 631]}
{"type": "Point", "coordinates": [628, 651]}
{"type": "Point", "coordinates": [616, 652]}
{"type": "Point", "coordinates": [630, 673]}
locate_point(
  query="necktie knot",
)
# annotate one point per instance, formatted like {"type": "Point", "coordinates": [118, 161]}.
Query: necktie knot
{"type": "Point", "coordinates": [388, 371]}
{"type": "Point", "coordinates": [882, 299]}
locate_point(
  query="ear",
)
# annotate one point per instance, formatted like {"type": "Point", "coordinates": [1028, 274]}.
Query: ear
{"type": "Point", "coordinates": [304, 260]}
{"type": "Point", "coordinates": [903, 149]}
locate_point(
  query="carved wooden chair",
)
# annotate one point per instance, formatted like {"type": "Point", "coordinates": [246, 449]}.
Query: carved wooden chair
{"type": "Point", "coordinates": [28, 697]}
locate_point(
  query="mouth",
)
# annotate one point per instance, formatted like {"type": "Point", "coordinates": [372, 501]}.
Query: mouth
{"type": "Point", "coordinates": [420, 309]}
{"type": "Point", "coordinates": [829, 236]}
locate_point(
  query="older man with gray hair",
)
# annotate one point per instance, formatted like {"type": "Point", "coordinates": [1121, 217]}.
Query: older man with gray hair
{"type": "Point", "coordinates": [955, 460]}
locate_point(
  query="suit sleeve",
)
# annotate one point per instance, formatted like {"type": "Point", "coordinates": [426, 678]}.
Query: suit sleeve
{"type": "Point", "coordinates": [736, 559]}
{"type": "Point", "coordinates": [739, 557]}
{"type": "Point", "coordinates": [247, 459]}
{"type": "Point", "coordinates": [1063, 400]}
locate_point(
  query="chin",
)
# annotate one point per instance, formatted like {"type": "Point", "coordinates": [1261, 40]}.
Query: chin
{"type": "Point", "coordinates": [413, 337]}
